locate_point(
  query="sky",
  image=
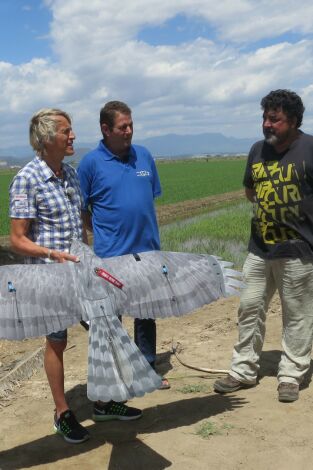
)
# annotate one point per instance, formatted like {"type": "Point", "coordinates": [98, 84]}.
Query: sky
{"type": "Point", "coordinates": [183, 66]}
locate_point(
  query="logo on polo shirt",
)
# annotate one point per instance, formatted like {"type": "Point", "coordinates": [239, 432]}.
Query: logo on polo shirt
{"type": "Point", "coordinates": [143, 173]}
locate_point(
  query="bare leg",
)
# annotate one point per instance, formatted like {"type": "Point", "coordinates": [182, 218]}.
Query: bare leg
{"type": "Point", "coordinates": [55, 373]}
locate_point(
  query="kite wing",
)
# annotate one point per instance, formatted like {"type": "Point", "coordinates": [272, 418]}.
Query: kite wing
{"type": "Point", "coordinates": [161, 284]}
{"type": "Point", "coordinates": [37, 299]}
{"type": "Point", "coordinates": [40, 299]}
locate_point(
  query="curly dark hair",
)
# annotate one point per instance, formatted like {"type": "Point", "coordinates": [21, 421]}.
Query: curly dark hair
{"type": "Point", "coordinates": [109, 110]}
{"type": "Point", "coordinates": [286, 100]}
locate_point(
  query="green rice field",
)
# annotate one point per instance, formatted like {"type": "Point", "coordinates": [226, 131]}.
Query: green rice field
{"type": "Point", "coordinates": [224, 232]}
{"type": "Point", "coordinates": [5, 180]}
{"type": "Point", "coordinates": [181, 180]}
{"type": "Point", "coordinates": [194, 179]}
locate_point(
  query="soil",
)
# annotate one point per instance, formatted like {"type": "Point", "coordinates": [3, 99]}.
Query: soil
{"type": "Point", "coordinates": [248, 429]}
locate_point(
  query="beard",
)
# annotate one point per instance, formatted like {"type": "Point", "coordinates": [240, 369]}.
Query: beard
{"type": "Point", "coordinates": [271, 139]}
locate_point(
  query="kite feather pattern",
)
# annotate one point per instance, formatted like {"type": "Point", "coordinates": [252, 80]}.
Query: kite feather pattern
{"type": "Point", "coordinates": [39, 299]}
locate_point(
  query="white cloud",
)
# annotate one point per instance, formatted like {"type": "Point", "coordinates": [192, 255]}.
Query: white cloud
{"type": "Point", "coordinates": [264, 19]}
{"type": "Point", "coordinates": [28, 85]}
{"type": "Point", "coordinates": [202, 85]}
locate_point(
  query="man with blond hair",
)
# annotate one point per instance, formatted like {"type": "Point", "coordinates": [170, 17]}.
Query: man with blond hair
{"type": "Point", "coordinates": [45, 211]}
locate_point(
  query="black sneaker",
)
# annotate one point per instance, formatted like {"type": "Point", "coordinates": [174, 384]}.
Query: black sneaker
{"type": "Point", "coordinates": [68, 427]}
{"type": "Point", "coordinates": [115, 410]}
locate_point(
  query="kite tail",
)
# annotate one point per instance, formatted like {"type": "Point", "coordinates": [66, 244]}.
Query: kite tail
{"type": "Point", "coordinates": [116, 368]}
{"type": "Point", "coordinates": [121, 361]}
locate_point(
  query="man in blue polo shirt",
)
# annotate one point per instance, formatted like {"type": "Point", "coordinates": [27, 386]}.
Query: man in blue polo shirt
{"type": "Point", "coordinates": [119, 182]}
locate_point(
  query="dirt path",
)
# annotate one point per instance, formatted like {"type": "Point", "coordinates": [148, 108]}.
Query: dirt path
{"type": "Point", "coordinates": [249, 429]}
{"type": "Point", "coordinates": [182, 210]}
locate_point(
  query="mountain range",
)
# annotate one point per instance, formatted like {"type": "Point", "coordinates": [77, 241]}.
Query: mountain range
{"type": "Point", "coordinates": [166, 146]}
{"type": "Point", "coordinates": [173, 145]}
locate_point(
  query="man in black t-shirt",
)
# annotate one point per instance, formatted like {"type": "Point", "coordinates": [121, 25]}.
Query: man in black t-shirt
{"type": "Point", "coordinates": [279, 182]}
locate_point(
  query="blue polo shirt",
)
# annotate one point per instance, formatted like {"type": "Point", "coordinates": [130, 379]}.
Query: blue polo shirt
{"type": "Point", "coordinates": [121, 196]}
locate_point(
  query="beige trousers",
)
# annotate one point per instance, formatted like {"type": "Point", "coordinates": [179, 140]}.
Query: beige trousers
{"type": "Point", "coordinates": [294, 280]}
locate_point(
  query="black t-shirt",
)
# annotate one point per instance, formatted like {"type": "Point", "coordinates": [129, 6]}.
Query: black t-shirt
{"type": "Point", "coordinates": [282, 225]}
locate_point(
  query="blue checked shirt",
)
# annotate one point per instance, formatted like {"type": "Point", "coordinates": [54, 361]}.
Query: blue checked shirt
{"type": "Point", "coordinates": [53, 205]}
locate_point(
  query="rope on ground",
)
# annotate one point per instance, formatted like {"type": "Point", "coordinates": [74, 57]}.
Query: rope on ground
{"type": "Point", "coordinates": [201, 369]}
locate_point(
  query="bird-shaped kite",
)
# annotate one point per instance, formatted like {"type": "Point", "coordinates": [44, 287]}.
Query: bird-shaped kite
{"type": "Point", "coordinates": [39, 299]}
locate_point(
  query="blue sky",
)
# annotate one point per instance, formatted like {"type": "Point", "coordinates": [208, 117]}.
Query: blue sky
{"type": "Point", "coordinates": [184, 66]}
{"type": "Point", "coordinates": [23, 32]}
